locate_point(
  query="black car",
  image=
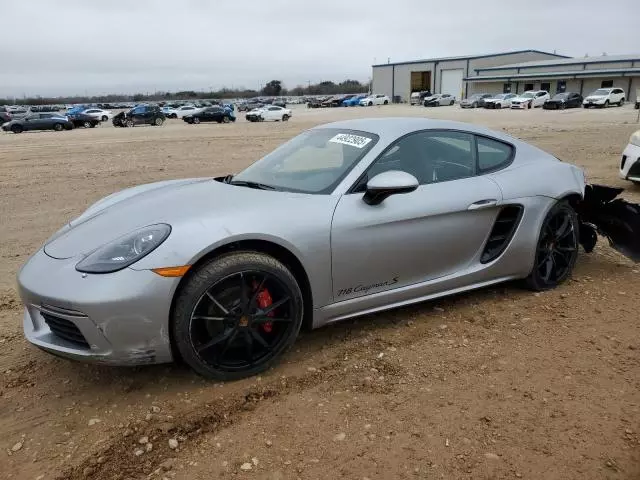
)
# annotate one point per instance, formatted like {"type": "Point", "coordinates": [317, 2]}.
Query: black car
{"type": "Point", "coordinates": [38, 121]}
{"type": "Point", "coordinates": [83, 120]}
{"type": "Point", "coordinates": [336, 100]}
{"type": "Point", "coordinates": [210, 114]}
{"type": "Point", "coordinates": [4, 117]}
{"type": "Point", "coordinates": [317, 102]}
{"type": "Point", "coordinates": [250, 105]}
{"type": "Point", "coordinates": [140, 115]}
{"type": "Point", "coordinates": [560, 101]}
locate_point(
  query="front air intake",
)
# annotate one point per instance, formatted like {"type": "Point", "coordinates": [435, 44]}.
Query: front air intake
{"type": "Point", "coordinates": [502, 232]}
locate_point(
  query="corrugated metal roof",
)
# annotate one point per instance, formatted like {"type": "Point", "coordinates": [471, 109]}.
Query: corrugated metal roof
{"type": "Point", "coordinates": [567, 61]}
{"type": "Point", "coordinates": [467, 57]}
{"type": "Point", "coordinates": [567, 73]}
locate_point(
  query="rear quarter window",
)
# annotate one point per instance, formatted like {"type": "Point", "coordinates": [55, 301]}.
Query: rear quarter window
{"type": "Point", "coordinates": [493, 154]}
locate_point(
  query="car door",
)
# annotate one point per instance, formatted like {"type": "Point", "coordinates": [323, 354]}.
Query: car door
{"type": "Point", "coordinates": [617, 95]}
{"type": "Point", "coordinates": [434, 231]}
{"type": "Point", "coordinates": [271, 113]}
{"type": "Point", "coordinates": [32, 122]}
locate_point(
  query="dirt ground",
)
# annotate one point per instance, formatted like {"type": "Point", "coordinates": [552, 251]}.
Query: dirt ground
{"type": "Point", "coordinates": [499, 383]}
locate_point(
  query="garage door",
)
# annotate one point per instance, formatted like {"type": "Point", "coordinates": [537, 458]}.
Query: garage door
{"type": "Point", "coordinates": [451, 82]}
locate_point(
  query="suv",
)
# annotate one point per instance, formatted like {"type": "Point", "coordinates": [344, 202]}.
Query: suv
{"type": "Point", "coordinates": [418, 97]}
{"type": "Point", "coordinates": [140, 115]}
{"type": "Point", "coordinates": [603, 97]}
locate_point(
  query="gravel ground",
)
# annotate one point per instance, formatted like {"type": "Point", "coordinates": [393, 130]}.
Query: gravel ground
{"type": "Point", "coordinates": [499, 383]}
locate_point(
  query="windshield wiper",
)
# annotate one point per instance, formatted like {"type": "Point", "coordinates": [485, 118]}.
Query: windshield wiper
{"type": "Point", "coordinates": [256, 185]}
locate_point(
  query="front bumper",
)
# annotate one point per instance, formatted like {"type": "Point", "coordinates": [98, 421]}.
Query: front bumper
{"type": "Point", "coordinates": [593, 103]}
{"type": "Point", "coordinates": [520, 106]}
{"type": "Point", "coordinates": [630, 163]}
{"type": "Point", "coordinates": [120, 318]}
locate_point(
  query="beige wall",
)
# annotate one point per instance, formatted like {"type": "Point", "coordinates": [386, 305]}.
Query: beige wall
{"type": "Point", "coordinates": [381, 81]}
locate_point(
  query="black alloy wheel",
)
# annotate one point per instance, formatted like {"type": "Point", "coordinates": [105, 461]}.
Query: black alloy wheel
{"type": "Point", "coordinates": [237, 315]}
{"type": "Point", "coordinates": [58, 127]}
{"type": "Point", "coordinates": [557, 248]}
{"type": "Point", "coordinates": [226, 119]}
{"type": "Point", "coordinates": [196, 120]}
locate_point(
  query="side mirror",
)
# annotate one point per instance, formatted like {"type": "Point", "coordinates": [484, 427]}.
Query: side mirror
{"type": "Point", "coordinates": [389, 183]}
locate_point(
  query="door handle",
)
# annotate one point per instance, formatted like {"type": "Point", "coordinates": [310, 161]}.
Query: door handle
{"type": "Point", "coordinates": [480, 204]}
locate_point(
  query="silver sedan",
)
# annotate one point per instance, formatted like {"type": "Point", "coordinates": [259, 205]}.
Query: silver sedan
{"type": "Point", "coordinates": [343, 220]}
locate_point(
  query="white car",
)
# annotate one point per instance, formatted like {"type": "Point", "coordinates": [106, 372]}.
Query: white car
{"type": "Point", "coordinates": [170, 112]}
{"type": "Point", "coordinates": [630, 164]}
{"type": "Point", "coordinates": [530, 99]}
{"type": "Point", "coordinates": [99, 114]}
{"type": "Point", "coordinates": [502, 100]}
{"type": "Point", "coordinates": [269, 113]}
{"type": "Point", "coordinates": [439, 99]}
{"type": "Point", "coordinates": [185, 110]}
{"type": "Point", "coordinates": [374, 99]}
{"type": "Point", "coordinates": [603, 97]}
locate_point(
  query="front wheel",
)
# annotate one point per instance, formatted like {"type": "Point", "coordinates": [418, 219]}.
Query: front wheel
{"type": "Point", "coordinates": [105, 118]}
{"type": "Point", "coordinates": [158, 122]}
{"type": "Point", "coordinates": [196, 120]}
{"type": "Point", "coordinates": [285, 117]}
{"type": "Point", "coordinates": [236, 315]}
{"type": "Point", "coordinates": [621, 102]}
{"type": "Point", "coordinates": [58, 127]}
{"type": "Point", "coordinates": [557, 248]}
{"type": "Point", "coordinates": [226, 119]}
{"type": "Point", "coordinates": [606, 104]}
{"type": "Point", "coordinates": [87, 124]}
{"type": "Point", "coordinates": [386, 102]}
{"type": "Point", "coordinates": [17, 129]}
{"type": "Point", "coordinates": [129, 123]}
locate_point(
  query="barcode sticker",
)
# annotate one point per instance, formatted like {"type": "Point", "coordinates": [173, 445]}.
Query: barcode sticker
{"type": "Point", "coordinates": [352, 140]}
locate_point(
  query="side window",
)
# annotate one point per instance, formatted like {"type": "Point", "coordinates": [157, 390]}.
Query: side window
{"type": "Point", "coordinates": [492, 154]}
{"type": "Point", "coordinates": [431, 157]}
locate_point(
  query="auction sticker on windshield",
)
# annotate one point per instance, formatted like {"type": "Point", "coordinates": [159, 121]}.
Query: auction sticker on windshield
{"type": "Point", "coordinates": [350, 139]}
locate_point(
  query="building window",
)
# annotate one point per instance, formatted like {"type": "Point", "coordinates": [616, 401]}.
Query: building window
{"type": "Point", "coordinates": [562, 86]}
{"type": "Point", "coordinates": [545, 86]}
{"type": "Point", "coordinates": [506, 88]}
{"type": "Point", "coordinates": [606, 84]}
{"type": "Point", "coordinates": [528, 86]}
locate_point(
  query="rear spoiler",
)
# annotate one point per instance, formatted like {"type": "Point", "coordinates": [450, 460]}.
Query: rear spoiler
{"type": "Point", "coordinates": [614, 218]}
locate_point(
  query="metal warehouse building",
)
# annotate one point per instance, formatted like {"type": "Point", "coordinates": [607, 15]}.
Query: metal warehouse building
{"type": "Point", "coordinates": [508, 72]}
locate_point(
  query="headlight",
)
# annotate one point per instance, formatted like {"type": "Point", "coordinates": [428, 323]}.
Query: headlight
{"type": "Point", "coordinates": [635, 139]}
{"type": "Point", "coordinates": [125, 250]}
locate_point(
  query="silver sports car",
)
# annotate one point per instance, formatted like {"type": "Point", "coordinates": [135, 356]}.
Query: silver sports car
{"type": "Point", "coordinates": [343, 220]}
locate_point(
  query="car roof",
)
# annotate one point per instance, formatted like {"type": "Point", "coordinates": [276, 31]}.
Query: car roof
{"type": "Point", "coordinates": [390, 128]}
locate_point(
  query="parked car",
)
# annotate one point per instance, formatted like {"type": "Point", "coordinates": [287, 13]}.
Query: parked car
{"type": "Point", "coordinates": [211, 114]}
{"type": "Point", "coordinates": [170, 112]}
{"type": "Point", "coordinates": [336, 100]}
{"type": "Point", "coordinates": [83, 120]}
{"type": "Point", "coordinates": [502, 100]}
{"type": "Point", "coordinates": [4, 116]}
{"type": "Point", "coordinates": [269, 113]}
{"type": "Point", "coordinates": [185, 110]}
{"type": "Point", "coordinates": [630, 164]}
{"type": "Point", "coordinates": [250, 105]}
{"type": "Point", "coordinates": [279, 102]}
{"type": "Point", "coordinates": [354, 101]}
{"type": "Point", "coordinates": [223, 273]}
{"type": "Point", "coordinates": [439, 99]}
{"type": "Point", "coordinates": [316, 102]}
{"type": "Point", "coordinates": [475, 101]}
{"type": "Point", "coordinates": [38, 121]}
{"type": "Point", "coordinates": [140, 115]}
{"type": "Point", "coordinates": [102, 115]}
{"type": "Point", "coordinates": [417, 98]}
{"type": "Point", "coordinates": [603, 97]}
{"type": "Point", "coordinates": [374, 99]}
{"type": "Point", "coordinates": [530, 99]}
{"type": "Point", "coordinates": [563, 100]}
{"type": "Point", "coordinates": [14, 112]}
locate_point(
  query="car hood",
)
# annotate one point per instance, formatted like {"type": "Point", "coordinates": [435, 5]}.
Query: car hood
{"type": "Point", "coordinates": [175, 202]}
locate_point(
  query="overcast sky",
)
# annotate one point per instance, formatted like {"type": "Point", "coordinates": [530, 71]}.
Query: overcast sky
{"type": "Point", "coordinates": [61, 47]}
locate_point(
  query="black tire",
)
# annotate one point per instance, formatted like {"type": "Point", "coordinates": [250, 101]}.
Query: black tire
{"type": "Point", "coordinates": [129, 124]}
{"type": "Point", "coordinates": [17, 128]}
{"type": "Point", "coordinates": [621, 102]}
{"type": "Point", "coordinates": [285, 118]}
{"type": "Point", "coordinates": [529, 105]}
{"type": "Point", "coordinates": [87, 124]}
{"type": "Point", "coordinates": [58, 127]}
{"type": "Point", "coordinates": [196, 120]}
{"type": "Point", "coordinates": [637, 106]}
{"type": "Point", "coordinates": [218, 307]}
{"type": "Point", "coordinates": [105, 118]}
{"type": "Point", "coordinates": [370, 104]}
{"type": "Point", "coordinates": [158, 121]}
{"type": "Point", "coordinates": [93, 125]}
{"type": "Point", "coordinates": [474, 105]}
{"type": "Point", "coordinates": [557, 248]}
{"type": "Point", "coordinates": [226, 119]}
{"type": "Point", "coordinates": [386, 102]}
{"type": "Point", "coordinates": [606, 104]}
{"type": "Point", "coordinates": [563, 106]}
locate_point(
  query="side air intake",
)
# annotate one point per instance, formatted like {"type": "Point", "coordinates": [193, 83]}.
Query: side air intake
{"type": "Point", "coordinates": [502, 232]}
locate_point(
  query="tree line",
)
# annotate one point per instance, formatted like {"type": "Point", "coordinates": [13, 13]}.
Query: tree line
{"type": "Point", "coordinates": [272, 88]}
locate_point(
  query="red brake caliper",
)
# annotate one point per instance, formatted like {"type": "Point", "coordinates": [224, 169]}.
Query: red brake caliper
{"type": "Point", "coordinates": [264, 300]}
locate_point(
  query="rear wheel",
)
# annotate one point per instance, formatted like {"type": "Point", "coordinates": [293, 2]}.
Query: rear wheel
{"type": "Point", "coordinates": [87, 124]}
{"type": "Point", "coordinates": [557, 248]}
{"type": "Point", "coordinates": [158, 121]}
{"type": "Point", "coordinates": [237, 315]}
{"type": "Point", "coordinates": [621, 102]}
{"type": "Point", "coordinates": [58, 127]}
{"type": "Point", "coordinates": [196, 120]}
{"type": "Point", "coordinates": [606, 103]}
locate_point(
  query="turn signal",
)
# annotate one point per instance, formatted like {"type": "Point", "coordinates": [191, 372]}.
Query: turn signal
{"type": "Point", "coordinates": [172, 271]}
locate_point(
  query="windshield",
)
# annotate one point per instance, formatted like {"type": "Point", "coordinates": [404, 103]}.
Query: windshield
{"type": "Point", "coordinates": [313, 162]}
{"type": "Point", "coordinates": [601, 91]}
{"type": "Point", "coordinates": [528, 95]}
